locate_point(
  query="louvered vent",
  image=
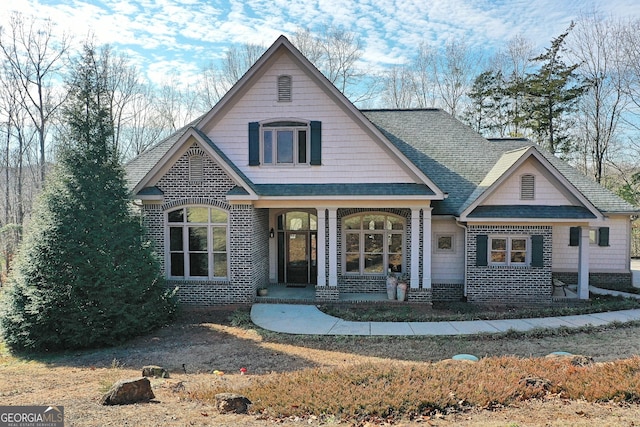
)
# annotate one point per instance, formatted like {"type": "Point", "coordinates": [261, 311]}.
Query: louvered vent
{"type": "Point", "coordinates": [196, 172]}
{"type": "Point", "coordinates": [527, 187]}
{"type": "Point", "coordinates": [284, 88]}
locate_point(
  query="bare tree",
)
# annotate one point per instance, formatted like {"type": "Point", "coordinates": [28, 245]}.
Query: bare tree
{"type": "Point", "coordinates": [399, 87]}
{"type": "Point", "coordinates": [454, 71]}
{"type": "Point", "coordinates": [36, 55]}
{"type": "Point", "coordinates": [596, 44]}
{"type": "Point", "coordinates": [423, 76]}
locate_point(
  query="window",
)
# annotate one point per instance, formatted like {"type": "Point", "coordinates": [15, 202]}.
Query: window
{"type": "Point", "coordinates": [197, 242]}
{"type": "Point", "coordinates": [444, 243]}
{"type": "Point", "coordinates": [284, 88]}
{"type": "Point", "coordinates": [527, 187]}
{"type": "Point", "coordinates": [285, 143]}
{"type": "Point", "coordinates": [373, 244]}
{"type": "Point", "coordinates": [509, 250]}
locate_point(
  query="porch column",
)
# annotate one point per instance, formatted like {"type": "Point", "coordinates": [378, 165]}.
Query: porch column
{"type": "Point", "coordinates": [415, 247]}
{"type": "Point", "coordinates": [583, 264]}
{"type": "Point", "coordinates": [426, 248]}
{"type": "Point", "coordinates": [321, 242]}
{"type": "Point", "coordinates": [333, 247]}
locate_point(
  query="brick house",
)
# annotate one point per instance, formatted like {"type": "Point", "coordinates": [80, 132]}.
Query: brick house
{"type": "Point", "coordinates": [285, 181]}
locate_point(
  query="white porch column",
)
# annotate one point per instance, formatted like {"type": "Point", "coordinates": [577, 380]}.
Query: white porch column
{"type": "Point", "coordinates": [333, 247]}
{"type": "Point", "coordinates": [426, 248]}
{"type": "Point", "coordinates": [415, 245]}
{"type": "Point", "coordinates": [321, 248]}
{"type": "Point", "coordinates": [583, 264]}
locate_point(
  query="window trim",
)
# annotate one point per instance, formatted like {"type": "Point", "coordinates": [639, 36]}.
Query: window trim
{"type": "Point", "coordinates": [362, 232]}
{"type": "Point", "coordinates": [184, 225]}
{"type": "Point", "coordinates": [438, 249]}
{"type": "Point", "coordinates": [509, 250]}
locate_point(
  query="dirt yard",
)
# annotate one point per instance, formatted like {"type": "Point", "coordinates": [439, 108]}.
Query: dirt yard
{"type": "Point", "coordinates": [202, 342]}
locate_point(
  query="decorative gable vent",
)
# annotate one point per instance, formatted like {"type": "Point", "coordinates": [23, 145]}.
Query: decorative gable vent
{"type": "Point", "coordinates": [284, 88]}
{"type": "Point", "coordinates": [196, 165]}
{"type": "Point", "coordinates": [527, 187]}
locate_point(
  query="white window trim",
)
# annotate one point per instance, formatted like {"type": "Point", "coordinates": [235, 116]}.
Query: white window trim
{"type": "Point", "coordinates": [265, 126]}
{"type": "Point", "coordinates": [439, 250]}
{"type": "Point", "coordinates": [185, 244]}
{"type": "Point", "coordinates": [509, 239]}
{"type": "Point", "coordinates": [362, 232]}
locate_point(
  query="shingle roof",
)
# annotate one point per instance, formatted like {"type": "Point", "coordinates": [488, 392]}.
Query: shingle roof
{"type": "Point", "coordinates": [531, 211]}
{"type": "Point", "coordinates": [458, 159]}
{"type": "Point", "coordinates": [403, 189]}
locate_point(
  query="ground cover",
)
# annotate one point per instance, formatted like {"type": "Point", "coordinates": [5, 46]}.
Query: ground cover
{"type": "Point", "coordinates": [222, 339]}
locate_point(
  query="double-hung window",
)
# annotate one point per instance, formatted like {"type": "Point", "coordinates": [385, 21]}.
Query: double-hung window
{"type": "Point", "coordinates": [509, 250]}
{"type": "Point", "coordinates": [197, 242]}
{"type": "Point", "coordinates": [285, 143]}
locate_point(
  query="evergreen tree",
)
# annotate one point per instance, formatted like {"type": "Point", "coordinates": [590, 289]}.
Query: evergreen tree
{"type": "Point", "coordinates": [553, 93]}
{"type": "Point", "coordinates": [487, 110]}
{"type": "Point", "coordinates": [84, 277]}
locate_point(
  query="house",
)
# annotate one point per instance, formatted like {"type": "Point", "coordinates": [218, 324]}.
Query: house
{"type": "Point", "coordinates": [285, 181]}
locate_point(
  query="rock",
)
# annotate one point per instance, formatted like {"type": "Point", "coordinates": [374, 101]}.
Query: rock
{"type": "Point", "coordinates": [578, 360]}
{"type": "Point", "coordinates": [126, 392]}
{"type": "Point", "coordinates": [231, 402]}
{"type": "Point", "coordinates": [154, 371]}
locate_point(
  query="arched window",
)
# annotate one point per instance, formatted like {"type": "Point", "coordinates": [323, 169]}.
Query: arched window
{"type": "Point", "coordinates": [373, 244]}
{"type": "Point", "coordinates": [527, 187]}
{"type": "Point", "coordinates": [197, 242]}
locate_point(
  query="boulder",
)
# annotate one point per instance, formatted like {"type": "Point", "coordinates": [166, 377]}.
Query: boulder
{"type": "Point", "coordinates": [154, 371]}
{"type": "Point", "coordinates": [231, 402]}
{"type": "Point", "coordinates": [126, 392]}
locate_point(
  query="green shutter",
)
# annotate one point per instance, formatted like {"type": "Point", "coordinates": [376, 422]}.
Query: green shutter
{"type": "Point", "coordinates": [574, 236]}
{"type": "Point", "coordinates": [316, 143]}
{"type": "Point", "coordinates": [603, 237]}
{"type": "Point", "coordinates": [537, 251]}
{"type": "Point", "coordinates": [481, 250]}
{"type": "Point", "coordinates": [254, 144]}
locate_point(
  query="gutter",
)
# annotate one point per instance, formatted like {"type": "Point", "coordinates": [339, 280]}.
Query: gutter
{"type": "Point", "coordinates": [464, 226]}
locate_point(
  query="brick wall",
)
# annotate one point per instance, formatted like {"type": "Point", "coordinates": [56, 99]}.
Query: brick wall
{"type": "Point", "coordinates": [443, 292]}
{"type": "Point", "coordinates": [512, 285]}
{"type": "Point", "coordinates": [248, 235]}
{"type": "Point", "coordinates": [621, 280]}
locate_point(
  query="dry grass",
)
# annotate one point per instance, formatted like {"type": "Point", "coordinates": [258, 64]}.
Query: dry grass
{"type": "Point", "coordinates": [408, 375]}
{"type": "Point", "coordinates": [411, 390]}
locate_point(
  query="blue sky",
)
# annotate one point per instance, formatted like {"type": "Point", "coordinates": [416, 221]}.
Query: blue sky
{"type": "Point", "coordinates": [162, 36]}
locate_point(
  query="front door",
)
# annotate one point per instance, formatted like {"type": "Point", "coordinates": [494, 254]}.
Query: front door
{"type": "Point", "coordinates": [297, 237]}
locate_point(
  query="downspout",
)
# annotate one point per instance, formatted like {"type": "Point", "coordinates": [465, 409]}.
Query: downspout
{"type": "Point", "coordinates": [459, 224]}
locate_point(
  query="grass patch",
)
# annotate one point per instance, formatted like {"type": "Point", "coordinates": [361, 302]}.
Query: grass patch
{"type": "Point", "coordinates": [408, 390]}
{"type": "Point", "coordinates": [454, 311]}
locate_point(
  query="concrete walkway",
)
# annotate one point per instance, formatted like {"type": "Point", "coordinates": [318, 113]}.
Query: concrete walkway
{"type": "Point", "coordinates": [308, 320]}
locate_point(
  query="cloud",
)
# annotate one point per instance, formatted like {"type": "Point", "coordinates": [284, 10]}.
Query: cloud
{"type": "Point", "coordinates": [183, 34]}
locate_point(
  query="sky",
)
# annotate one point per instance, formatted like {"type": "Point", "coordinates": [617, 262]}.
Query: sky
{"type": "Point", "coordinates": [181, 36]}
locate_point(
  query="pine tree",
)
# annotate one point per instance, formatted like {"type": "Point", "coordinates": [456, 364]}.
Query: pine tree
{"type": "Point", "coordinates": [553, 93]}
{"type": "Point", "coordinates": [84, 277]}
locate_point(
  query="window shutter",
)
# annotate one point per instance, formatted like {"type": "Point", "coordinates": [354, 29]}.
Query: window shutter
{"type": "Point", "coordinates": [316, 143]}
{"type": "Point", "coordinates": [481, 250]}
{"type": "Point", "coordinates": [603, 238]}
{"type": "Point", "coordinates": [254, 144]}
{"type": "Point", "coordinates": [196, 169]}
{"type": "Point", "coordinates": [537, 251]}
{"type": "Point", "coordinates": [574, 236]}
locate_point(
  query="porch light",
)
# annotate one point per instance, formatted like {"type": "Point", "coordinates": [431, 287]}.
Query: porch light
{"type": "Point", "coordinates": [272, 233]}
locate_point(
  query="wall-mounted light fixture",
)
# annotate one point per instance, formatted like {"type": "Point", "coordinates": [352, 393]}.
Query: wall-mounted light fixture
{"type": "Point", "coordinates": [272, 233]}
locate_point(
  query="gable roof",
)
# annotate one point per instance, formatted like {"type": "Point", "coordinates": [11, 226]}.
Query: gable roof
{"type": "Point", "coordinates": [464, 164]}
{"type": "Point", "coordinates": [504, 167]}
